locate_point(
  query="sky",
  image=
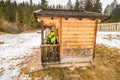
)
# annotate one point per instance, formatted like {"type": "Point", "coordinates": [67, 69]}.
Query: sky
{"type": "Point", "coordinates": [64, 2]}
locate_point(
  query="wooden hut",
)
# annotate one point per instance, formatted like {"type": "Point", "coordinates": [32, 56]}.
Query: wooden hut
{"type": "Point", "coordinates": [76, 34]}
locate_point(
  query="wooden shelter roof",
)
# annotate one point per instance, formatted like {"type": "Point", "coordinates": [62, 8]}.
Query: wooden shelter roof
{"type": "Point", "coordinates": [69, 14]}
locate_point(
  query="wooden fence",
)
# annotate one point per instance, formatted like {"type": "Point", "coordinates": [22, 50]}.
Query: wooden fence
{"type": "Point", "coordinates": [109, 27]}
{"type": "Point", "coordinates": [50, 53]}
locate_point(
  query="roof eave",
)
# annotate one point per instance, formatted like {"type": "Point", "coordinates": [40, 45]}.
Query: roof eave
{"type": "Point", "coordinates": [98, 15]}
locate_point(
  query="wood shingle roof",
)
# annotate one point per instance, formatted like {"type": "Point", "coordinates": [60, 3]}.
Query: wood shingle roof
{"type": "Point", "coordinates": [69, 14]}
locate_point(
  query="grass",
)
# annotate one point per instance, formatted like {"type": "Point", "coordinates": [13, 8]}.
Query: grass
{"type": "Point", "coordinates": [1, 33]}
{"type": "Point", "coordinates": [8, 27]}
{"type": "Point", "coordinates": [107, 67]}
{"type": "Point", "coordinates": [13, 28]}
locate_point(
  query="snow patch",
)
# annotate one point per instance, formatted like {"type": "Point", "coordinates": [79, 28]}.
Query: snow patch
{"type": "Point", "coordinates": [110, 39]}
{"type": "Point", "coordinates": [14, 50]}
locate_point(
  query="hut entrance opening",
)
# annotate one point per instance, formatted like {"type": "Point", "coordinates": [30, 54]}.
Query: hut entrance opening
{"type": "Point", "coordinates": [50, 52]}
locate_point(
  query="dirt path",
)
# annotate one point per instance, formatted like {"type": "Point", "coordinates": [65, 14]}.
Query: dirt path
{"type": "Point", "coordinates": [32, 62]}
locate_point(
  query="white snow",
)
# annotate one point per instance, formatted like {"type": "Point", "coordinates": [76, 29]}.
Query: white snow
{"type": "Point", "coordinates": [110, 39]}
{"type": "Point", "coordinates": [13, 52]}
{"type": "Point", "coordinates": [17, 46]}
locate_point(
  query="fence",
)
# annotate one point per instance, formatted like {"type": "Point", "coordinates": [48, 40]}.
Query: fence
{"type": "Point", "coordinates": [50, 53]}
{"type": "Point", "coordinates": [109, 27]}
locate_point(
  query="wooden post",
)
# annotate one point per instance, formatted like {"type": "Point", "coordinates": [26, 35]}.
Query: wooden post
{"type": "Point", "coordinates": [42, 32]}
{"type": "Point", "coordinates": [60, 37]}
{"type": "Point", "coordinates": [116, 27]}
{"type": "Point", "coordinates": [96, 26]}
{"type": "Point", "coordinates": [42, 41]}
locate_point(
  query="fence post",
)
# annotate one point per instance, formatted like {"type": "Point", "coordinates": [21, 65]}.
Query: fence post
{"type": "Point", "coordinates": [42, 32]}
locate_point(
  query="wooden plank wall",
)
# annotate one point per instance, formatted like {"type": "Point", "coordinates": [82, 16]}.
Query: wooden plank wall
{"type": "Point", "coordinates": [78, 34]}
{"type": "Point", "coordinates": [76, 37]}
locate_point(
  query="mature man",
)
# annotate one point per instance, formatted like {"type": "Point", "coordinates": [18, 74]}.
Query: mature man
{"type": "Point", "coordinates": [50, 36]}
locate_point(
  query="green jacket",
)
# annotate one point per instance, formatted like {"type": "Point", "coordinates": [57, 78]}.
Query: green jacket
{"type": "Point", "coordinates": [51, 39]}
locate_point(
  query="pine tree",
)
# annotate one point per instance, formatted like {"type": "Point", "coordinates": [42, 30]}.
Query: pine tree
{"type": "Point", "coordinates": [107, 10]}
{"type": "Point", "coordinates": [59, 6]}
{"type": "Point", "coordinates": [82, 4]}
{"type": "Point", "coordinates": [31, 3]}
{"type": "Point", "coordinates": [88, 5]}
{"type": "Point", "coordinates": [97, 6]}
{"type": "Point", "coordinates": [116, 14]}
{"type": "Point", "coordinates": [77, 5]}
{"type": "Point", "coordinates": [44, 4]}
{"type": "Point", "coordinates": [69, 5]}
{"type": "Point", "coordinates": [2, 9]}
{"type": "Point", "coordinates": [53, 7]}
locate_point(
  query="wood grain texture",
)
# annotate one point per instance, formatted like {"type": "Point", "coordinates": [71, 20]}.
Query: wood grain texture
{"type": "Point", "coordinates": [77, 36]}
{"type": "Point", "coordinates": [74, 33]}
{"type": "Point", "coordinates": [78, 33]}
{"type": "Point", "coordinates": [77, 46]}
{"type": "Point", "coordinates": [78, 40]}
{"type": "Point", "coordinates": [60, 35]}
{"type": "Point", "coordinates": [80, 29]}
{"type": "Point", "coordinates": [67, 32]}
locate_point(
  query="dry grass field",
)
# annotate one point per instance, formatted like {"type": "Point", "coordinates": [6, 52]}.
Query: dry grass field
{"type": "Point", "coordinates": [106, 67]}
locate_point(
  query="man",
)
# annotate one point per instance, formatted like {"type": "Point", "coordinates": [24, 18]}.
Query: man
{"type": "Point", "coordinates": [50, 36]}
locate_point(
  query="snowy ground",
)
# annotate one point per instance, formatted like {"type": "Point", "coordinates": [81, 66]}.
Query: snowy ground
{"type": "Point", "coordinates": [17, 46]}
{"type": "Point", "coordinates": [110, 39]}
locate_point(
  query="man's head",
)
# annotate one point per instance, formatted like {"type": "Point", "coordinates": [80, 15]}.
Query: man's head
{"type": "Point", "coordinates": [47, 31]}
